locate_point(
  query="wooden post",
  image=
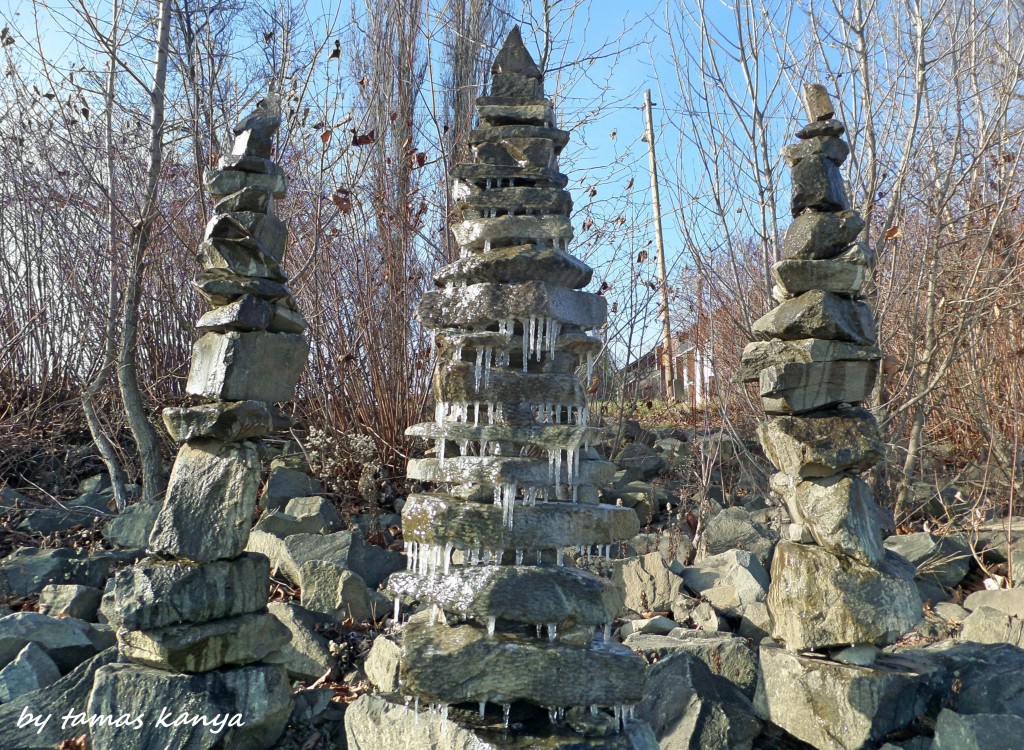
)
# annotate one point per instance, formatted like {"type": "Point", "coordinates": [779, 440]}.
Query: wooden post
{"type": "Point", "coordinates": [669, 374]}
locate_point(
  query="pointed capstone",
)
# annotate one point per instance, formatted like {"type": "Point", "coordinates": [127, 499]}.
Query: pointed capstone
{"type": "Point", "coordinates": [515, 58]}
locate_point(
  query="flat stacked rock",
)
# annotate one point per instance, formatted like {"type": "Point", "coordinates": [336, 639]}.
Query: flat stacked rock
{"type": "Point", "coordinates": [192, 624]}
{"type": "Point", "coordinates": [516, 482]}
{"type": "Point", "coordinates": [834, 588]}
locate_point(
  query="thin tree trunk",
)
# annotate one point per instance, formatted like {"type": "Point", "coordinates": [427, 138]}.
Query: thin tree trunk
{"type": "Point", "coordinates": [146, 439]}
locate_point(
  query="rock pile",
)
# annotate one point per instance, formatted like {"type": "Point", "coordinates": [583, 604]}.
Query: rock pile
{"type": "Point", "coordinates": [509, 624]}
{"type": "Point", "coordinates": [192, 622]}
{"type": "Point", "coordinates": [835, 589]}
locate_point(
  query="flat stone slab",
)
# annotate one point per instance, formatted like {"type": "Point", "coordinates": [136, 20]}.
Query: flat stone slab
{"type": "Point", "coordinates": [547, 436]}
{"type": "Point", "coordinates": [191, 647]}
{"type": "Point", "coordinates": [758, 355]}
{"type": "Point", "coordinates": [251, 705]}
{"type": "Point", "coordinates": [818, 315]}
{"type": "Point", "coordinates": [156, 593]}
{"type": "Point", "coordinates": [799, 276]}
{"type": "Point", "coordinates": [822, 444]}
{"type": "Point", "coordinates": [444, 664]}
{"type": "Point", "coordinates": [483, 304]}
{"type": "Point", "coordinates": [519, 200]}
{"type": "Point", "coordinates": [227, 421]}
{"type": "Point", "coordinates": [798, 388]}
{"type": "Point", "coordinates": [211, 495]}
{"type": "Point", "coordinates": [380, 722]}
{"type": "Point", "coordinates": [529, 176]}
{"type": "Point", "coordinates": [575, 341]}
{"type": "Point", "coordinates": [818, 600]}
{"type": "Point", "coordinates": [457, 382]}
{"type": "Point", "coordinates": [220, 287]}
{"type": "Point", "coordinates": [441, 519]}
{"type": "Point", "coordinates": [518, 264]}
{"type": "Point", "coordinates": [498, 470]}
{"type": "Point", "coordinates": [66, 640]}
{"type": "Point", "coordinates": [535, 594]}
{"type": "Point", "coordinates": [835, 706]}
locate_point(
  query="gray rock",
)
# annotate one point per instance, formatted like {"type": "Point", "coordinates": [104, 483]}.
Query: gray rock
{"type": "Point", "coordinates": [641, 460]}
{"type": "Point", "coordinates": [647, 626]}
{"type": "Point", "coordinates": [706, 618]}
{"type": "Point", "coordinates": [383, 664]}
{"type": "Point", "coordinates": [648, 584]}
{"type": "Point", "coordinates": [258, 695]}
{"type": "Point", "coordinates": [267, 230]}
{"type": "Point", "coordinates": [70, 600]}
{"type": "Point", "coordinates": [691, 709]}
{"type": "Point", "coordinates": [31, 669]}
{"type": "Point", "coordinates": [735, 529]}
{"type": "Point", "coordinates": [835, 706]}
{"type": "Point", "coordinates": [839, 512]}
{"type": "Point", "coordinates": [226, 421]}
{"type": "Point", "coordinates": [332, 590]}
{"type": "Point", "coordinates": [488, 302]}
{"type": "Point", "coordinates": [864, 605]}
{"type": "Point", "coordinates": [69, 694]}
{"type": "Point", "coordinates": [242, 257]}
{"type": "Point", "coordinates": [819, 236]}
{"type": "Point", "coordinates": [722, 653]}
{"type": "Point", "coordinates": [82, 510]}
{"type": "Point", "coordinates": [211, 495]}
{"type": "Point", "coordinates": [757, 355]}
{"type": "Point", "coordinates": [817, 184]}
{"type": "Point", "coordinates": [797, 388]}
{"type": "Point", "coordinates": [68, 641]}
{"type": "Point", "coordinates": [798, 276]}
{"type": "Point", "coordinates": [977, 732]}
{"type": "Point", "coordinates": [373, 722]}
{"type": "Point", "coordinates": [303, 507]}
{"type": "Point", "coordinates": [821, 129]}
{"type": "Point", "coordinates": [130, 529]}
{"type": "Point", "coordinates": [989, 625]}
{"type": "Point", "coordinates": [255, 366]}
{"type": "Point", "coordinates": [310, 705]}
{"type": "Point", "coordinates": [728, 581]}
{"type": "Point", "coordinates": [818, 315]}
{"type": "Point", "coordinates": [157, 593]}
{"type": "Point", "coordinates": [344, 548]}
{"type": "Point", "coordinates": [307, 655]}
{"type": "Point", "coordinates": [822, 445]}
{"type": "Point", "coordinates": [286, 483]}
{"type": "Point", "coordinates": [524, 593]}
{"type": "Point", "coordinates": [831, 148]}
{"type": "Point", "coordinates": [222, 182]}
{"type": "Point", "coordinates": [454, 664]}
{"type": "Point", "coordinates": [977, 678]}
{"type": "Point", "coordinates": [944, 560]}
{"type": "Point", "coordinates": [221, 287]}
{"type": "Point", "coordinates": [755, 622]}
{"type": "Point", "coordinates": [284, 524]}
{"type": "Point", "coordinates": [1008, 601]}
{"type": "Point", "coordinates": [191, 647]}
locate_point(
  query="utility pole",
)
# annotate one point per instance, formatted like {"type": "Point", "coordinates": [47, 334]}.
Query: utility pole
{"type": "Point", "coordinates": [660, 241]}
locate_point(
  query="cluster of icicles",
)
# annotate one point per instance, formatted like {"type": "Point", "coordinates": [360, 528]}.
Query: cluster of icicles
{"type": "Point", "coordinates": [489, 412]}
{"type": "Point", "coordinates": [557, 243]}
{"type": "Point", "coordinates": [540, 335]}
{"type": "Point", "coordinates": [431, 559]}
{"type": "Point", "coordinates": [556, 714]}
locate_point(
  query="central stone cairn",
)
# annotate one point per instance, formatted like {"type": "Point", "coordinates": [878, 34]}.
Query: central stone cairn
{"type": "Point", "coordinates": [508, 622]}
{"type": "Point", "coordinates": [835, 590]}
{"type": "Point", "coordinates": [192, 626]}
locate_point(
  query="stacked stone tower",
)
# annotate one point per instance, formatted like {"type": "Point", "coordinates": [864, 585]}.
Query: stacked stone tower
{"type": "Point", "coordinates": [834, 586]}
{"type": "Point", "coordinates": [191, 619]}
{"type": "Point", "coordinates": [509, 621]}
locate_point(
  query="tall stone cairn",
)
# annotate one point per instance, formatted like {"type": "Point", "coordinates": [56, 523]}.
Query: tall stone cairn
{"type": "Point", "coordinates": [192, 626]}
{"type": "Point", "coordinates": [834, 588]}
{"type": "Point", "coordinates": [508, 622]}
{"type": "Point", "coordinates": [815, 360]}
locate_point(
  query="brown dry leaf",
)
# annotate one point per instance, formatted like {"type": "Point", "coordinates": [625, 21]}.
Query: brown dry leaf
{"type": "Point", "coordinates": [78, 743]}
{"type": "Point", "coordinates": [365, 139]}
{"type": "Point", "coordinates": [892, 232]}
{"type": "Point", "coordinates": [642, 256]}
{"type": "Point", "coordinates": [326, 136]}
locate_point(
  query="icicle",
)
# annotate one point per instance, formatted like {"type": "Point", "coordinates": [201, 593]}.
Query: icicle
{"type": "Point", "coordinates": [558, 472]}
{"type": "Point", "coordinates": [526, 345]}
{"type": "Point", "coordinates": [519, 557]}
{"type": "Point", "coordinates": [444, 720]}
{"type": "Point", "coordinates": [618, 719]}
{"type": "Point", "coordinates": [607, 632]}
{"type": "Point", "coordinates": [552, 631]}
{"type": "Point", "coordinates": [552, 713]}
{"type": "Point", "coordinates": [398, 606]}
{"type": "Point", "coordinates": [542, 326]}
{"type": "Point", "coordinates": [463, 447]}
{"type": "Point", "coordinates": [506, 709]}
{"type": "Point", "coordinates": [476, 414]}
{"type": "Point", "coordinates": [540, 631]}
{"type": "Point", "coordinates": [483, 708]}
{"type": "Point", "coordinates": [487, 185]}
{"type": "Point", "coordinates": [540, 557]}
{"type": "Point", "coordinates": [560, 557]}
{"type": "Point", "coordinates": [483, 447]}
{"type": "Point", "coordinates": [433, 614]}
{"type": "Point", "coordinates": [499, 554]}
{"type": "Point", "coordinates": [448, 558]}
{"type": "Point", "coordinates": [631, 713]}
{"type": "Point", "coordinates": [491, 623]}
{"type": "Point", "coordinates": [416, 708]}
{"type": "Point", "coordinates": [551, 465]}
{"type": "Point", "coordinates": [593, 709]}
{"type": "Point", "coordinates": [478, 370]}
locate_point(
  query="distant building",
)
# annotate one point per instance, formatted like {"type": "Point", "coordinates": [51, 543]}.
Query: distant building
{"type": "Point", "coordinates": [692, 373]}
